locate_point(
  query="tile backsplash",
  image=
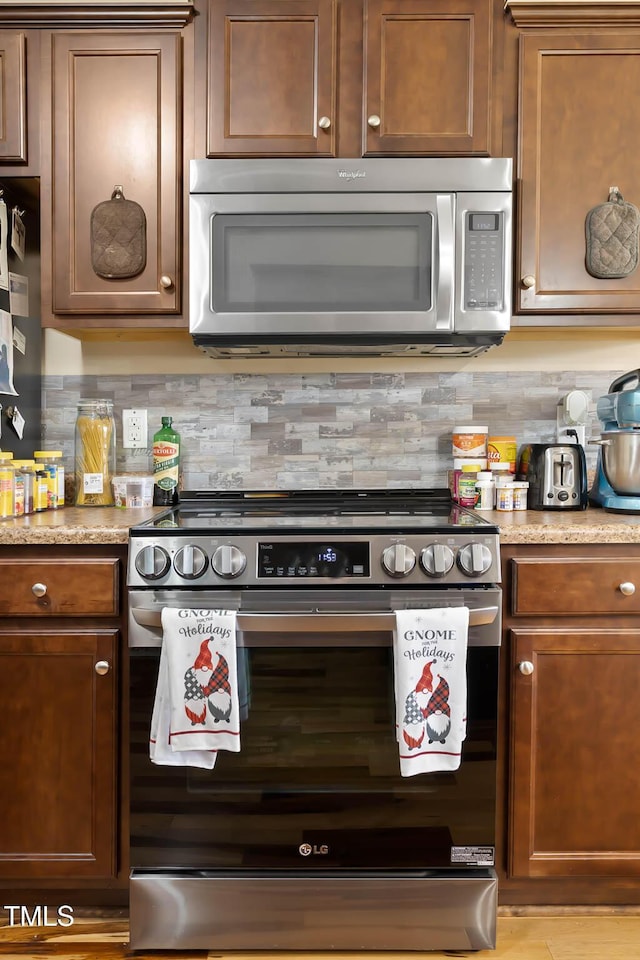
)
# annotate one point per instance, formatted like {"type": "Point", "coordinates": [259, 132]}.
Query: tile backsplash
{"type": "Point", "coordinates": [321, 430]}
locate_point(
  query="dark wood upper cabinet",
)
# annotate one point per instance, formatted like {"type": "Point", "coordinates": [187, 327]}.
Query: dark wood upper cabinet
{"type": "Point", "coordinates": [272, 77]}
{"type": "Point", "coordinates": [349, 78]}
{"type": "Point", "coordinates": [578, 136]}
{"type": "Point", "coordinates": [427, 76]}
{"type": "Point", "coordinates": [13, 97]}
{"type": "Point", "coordinates": [115, 122]}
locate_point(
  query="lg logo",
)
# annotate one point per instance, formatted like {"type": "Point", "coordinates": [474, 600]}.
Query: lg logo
{"type": "Point", "coordinates": [306, 849]}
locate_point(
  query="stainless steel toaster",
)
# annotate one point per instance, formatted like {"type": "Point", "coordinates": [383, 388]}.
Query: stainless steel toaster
{"type": "Point", "coordinates": [557, 475]}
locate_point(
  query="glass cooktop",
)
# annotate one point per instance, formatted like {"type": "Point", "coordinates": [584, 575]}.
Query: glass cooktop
{"type": "Point", "coordinates": [314, 510]}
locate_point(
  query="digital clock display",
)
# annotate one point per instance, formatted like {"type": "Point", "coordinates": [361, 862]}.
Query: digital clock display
{"type": "Point", "coordinates": [483, 221]}
{"type": "Point", "coordinates": [313, 560]}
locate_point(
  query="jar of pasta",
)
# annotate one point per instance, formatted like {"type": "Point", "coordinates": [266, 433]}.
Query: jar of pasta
{"type": "Point", "coordinates": [95, 453]}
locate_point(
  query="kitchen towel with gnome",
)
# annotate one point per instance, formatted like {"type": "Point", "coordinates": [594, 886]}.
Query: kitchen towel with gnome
{"type": "Point", "coordinates": [430, 677]}
{"type": "Point", "coordinates": [195, 712]}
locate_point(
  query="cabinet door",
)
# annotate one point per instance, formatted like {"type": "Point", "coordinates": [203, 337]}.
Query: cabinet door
{"type": "Point", "coordinates": [272, 76]}
{"type": "Point", "coordinates": [427, 76]}
{"type": "Point", "coordinates": [58, 755]}
{"type": "Point", "coordinates": [575, 784]}
{"type": "Point", "coordinates": [115, 123]}
{"type": "Point", "coordinates": [13, 98]}
{"type": "Point", "coordinates": [578, 136]}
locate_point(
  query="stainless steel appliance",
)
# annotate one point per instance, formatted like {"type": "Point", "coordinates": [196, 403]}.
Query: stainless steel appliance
{"type": "Point", "coordinates": [362, 257]}
{"type": "Point", "coordinates": [309, 838]}
{"type": "Point", "coordinates": [557, 475]}
{"type": "Point", "coordinates": [616, 485]}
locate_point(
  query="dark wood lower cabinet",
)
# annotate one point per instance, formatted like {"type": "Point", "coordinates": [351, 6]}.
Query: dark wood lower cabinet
{"type": "Point", "coordinates": [57, 756]}
{"type": "Point", "coordinates": [570, 721]}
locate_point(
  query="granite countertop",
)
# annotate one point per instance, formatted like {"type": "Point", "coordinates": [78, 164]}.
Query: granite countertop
{"type": "Point", "coordinates": [83, 525]}
{"type": "Point", "coordinates": [593, 525]}
{"type": "Point", "coordinates": [75, 525]}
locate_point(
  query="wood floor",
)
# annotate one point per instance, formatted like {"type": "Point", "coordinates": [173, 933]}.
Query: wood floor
{"type": "Point", "coordinates": [544, 936]}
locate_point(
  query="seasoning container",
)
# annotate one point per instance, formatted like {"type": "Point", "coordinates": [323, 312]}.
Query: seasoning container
{"type": "Point", "coordinates": [469, 441]}
{"type": "Point", "coordinates": [520, 493]}
{"type": "Point", "coordinates": [504, 495]}
{"type": "Point", "coordinates": [23, 487]}
{"type": "Point", "coordinates": [166, 464]}
{"type": "Point", "coordinates": [40, 489]}
{"type": "Point", "coordinates": [7, 476]}
{"type": "Point", "coordinates": [95, 453]}
{"type": "Point", "coordinates": [51, 462]}
{"type": "Point", "coordinates": [502, 450]}
{"type": "Point", "coordinates": [486, 487]}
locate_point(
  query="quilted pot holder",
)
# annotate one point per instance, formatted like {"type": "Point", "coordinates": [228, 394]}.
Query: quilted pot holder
{"type": "Point", "coordinates": [612, 238]}
{"type": "Point", "coordinates": [118, 237]}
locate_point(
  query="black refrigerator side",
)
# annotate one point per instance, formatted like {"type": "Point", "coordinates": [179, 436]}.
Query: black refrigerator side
{"type": "Point", "coordinates": [23, 194]}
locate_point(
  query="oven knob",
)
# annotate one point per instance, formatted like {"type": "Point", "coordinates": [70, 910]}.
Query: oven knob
{"type": "Point", "coordinates": [228, 561]}
{"type": "Point", "coordinates": [474, 559]}
{"type": "Point", "coordinates": [437, 559]}
{"type": "Point", "coordinates": [190, 562]}
{"type": "Point", "coordinates": [398, 560]}
{"type": "Point", "coordinates": [152, 562]}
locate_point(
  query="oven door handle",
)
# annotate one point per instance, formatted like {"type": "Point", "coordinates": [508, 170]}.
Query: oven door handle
{"type": "Point", "coordinates": [313, 622]}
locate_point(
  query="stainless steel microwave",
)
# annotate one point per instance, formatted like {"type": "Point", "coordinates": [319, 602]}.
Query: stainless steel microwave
{"type": "Point", "coordinates": [372, 257]}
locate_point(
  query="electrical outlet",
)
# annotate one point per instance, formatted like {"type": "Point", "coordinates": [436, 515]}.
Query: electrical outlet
{"type": "Point", "coordinates": [134, 428]}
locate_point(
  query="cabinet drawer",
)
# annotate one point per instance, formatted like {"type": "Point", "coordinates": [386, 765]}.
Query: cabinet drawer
{"type": "Point", "coordinates": [574, 587]}
{"type": "Point", "coordinates": [73, 588]}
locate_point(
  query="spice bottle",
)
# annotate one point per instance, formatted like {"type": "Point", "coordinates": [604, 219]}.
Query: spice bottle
{"type": "Point", "coordinates": [166, 464]}
{"type": "Point", "coordinates": [486, 487]}
{"type": "Point", "coordinates": [51, 462]}
{"type": "Point", "coordinates": [23, 487]}
{"type": "Point", "coordinates": [7, 473]}
{"type": "Point", "coordinates": [95, 453]}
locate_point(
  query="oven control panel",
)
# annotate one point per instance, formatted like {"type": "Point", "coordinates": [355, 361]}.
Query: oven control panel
{"type": "Point", "coordinates": [247, 561]}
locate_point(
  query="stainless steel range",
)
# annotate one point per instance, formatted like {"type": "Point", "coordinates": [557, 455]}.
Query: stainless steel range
{"type": "Point", "coordinates": [309, 838]}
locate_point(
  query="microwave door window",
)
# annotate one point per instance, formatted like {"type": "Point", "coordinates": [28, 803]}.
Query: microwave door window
{"type": "Point", "coordinates": [317, 263]}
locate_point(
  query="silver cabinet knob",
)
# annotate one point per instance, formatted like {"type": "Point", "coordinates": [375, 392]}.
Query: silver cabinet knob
{"type": "Point", "coordinates": [628, 589]}
{"type": "Point", "coordinates": [526, 667]}
{"type": "Point", "coordinates": [528, 281]}
{"type": "Point", "coordinates": [399, 560]}
{"type": "Point", "coordinates": [324, 123]}
{"type": "Point", "coordinates": [374, 121]}
{"type": "Point", "coordinates": [39, 589]}
{"type": "Point", "coordinates": [102, 667]}
{"type": "Point", "coordinates": [166, 282]}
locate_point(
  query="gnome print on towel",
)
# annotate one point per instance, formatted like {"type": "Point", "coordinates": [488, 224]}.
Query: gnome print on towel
{"type": "Point", "coordinates": [438, 712]}
{"type": "Point", "coordinates": [207, 686]}
{"type": "Point", "coordinates": [415, 708]}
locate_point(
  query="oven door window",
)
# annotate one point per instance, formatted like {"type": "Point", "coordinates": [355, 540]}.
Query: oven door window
{"type": "Point", "coordinates": [316, 784]}
{"type": "Point", "coordinates": [315, 263]}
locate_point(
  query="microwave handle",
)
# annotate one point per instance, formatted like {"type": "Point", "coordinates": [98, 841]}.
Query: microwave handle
{"type": "Point", "coordinates": [445, 266]}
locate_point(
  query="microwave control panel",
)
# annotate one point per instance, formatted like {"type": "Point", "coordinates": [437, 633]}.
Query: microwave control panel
{"type": "Point", "coordinates": [484, 261]}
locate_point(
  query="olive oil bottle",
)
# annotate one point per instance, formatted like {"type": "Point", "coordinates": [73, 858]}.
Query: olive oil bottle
{"type": "Point", "coordinates": [166, 464]}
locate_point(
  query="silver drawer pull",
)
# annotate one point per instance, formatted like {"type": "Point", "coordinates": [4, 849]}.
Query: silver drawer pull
{"type": "Point", "coordinates": [526, 668]}
{"type": "Point", "coordinates": [39, 589]}
{"type": "Point", "coordinates": [627, 589]}
{"type": "Point", "coordinates": [102, 667]}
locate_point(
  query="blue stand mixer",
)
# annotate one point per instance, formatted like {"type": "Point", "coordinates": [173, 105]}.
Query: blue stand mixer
{"type": "Point", "coordinates": [616, 485]}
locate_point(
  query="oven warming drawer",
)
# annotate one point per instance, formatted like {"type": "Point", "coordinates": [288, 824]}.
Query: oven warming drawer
{"type": "Point", "coordinates": [205, 910]}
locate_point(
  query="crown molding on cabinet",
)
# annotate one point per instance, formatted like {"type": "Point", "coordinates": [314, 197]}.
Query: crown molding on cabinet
{"type": "Point", "coordinates": [90, 13]}
{"type": "Point", "coordinates": [578, 13]}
